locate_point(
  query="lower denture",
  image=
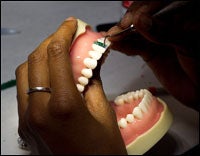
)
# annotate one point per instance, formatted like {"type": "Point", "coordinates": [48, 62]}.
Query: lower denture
{"type": "Point", "coordinates": [138, 126]}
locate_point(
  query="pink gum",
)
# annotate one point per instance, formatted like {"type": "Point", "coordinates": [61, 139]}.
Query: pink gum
{"type": "Point", "coordinates": [138, 127]}
{"type": "Point", "coordinates": [79, 51]}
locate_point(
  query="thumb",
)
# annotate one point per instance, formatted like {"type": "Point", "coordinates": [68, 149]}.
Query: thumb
{"type": "Point", "coordinates": [96, 100]}
{"type": "Point", "coordinates": [98, 105]}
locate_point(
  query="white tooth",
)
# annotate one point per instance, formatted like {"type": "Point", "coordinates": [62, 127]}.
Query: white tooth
{"type": "Point", "coordinates": [95, 55]}
{"type": "Point", "coordinates": [136, 95]}
{"type": "Point", "coordinates": [107, 42]}
{"type": "Point", "coordinates": [148, 99]}
{"type": "Point", "coordinates": [87, 72]}
{"type": "Point", "coordinates": [98, 48]}
{"type": "Point", "coordinates": [90, 63]}
{"type": "Point", "coordinates": [80, 87]}
{"type": "Point", "coordinates": [101, 40]}
{"type": "Point", "coordinates": [83, 80]}
{"type": "Point", "coordinates": [132, 94]}
{"type": "Point", "coordinates": [119, 100]}
{"type": "Point", "coordinates": [129, 98]}
{"type": "Point", "coordinates": [122, 123]}
{"type": "Point", "coordinates": [137, 113]}
{"type": "Point", "coordinates": [141, 93]}
{"type": "Point", "coordinates": [129, 118]}
{"type": "Point", "coordinates": [142, 106]}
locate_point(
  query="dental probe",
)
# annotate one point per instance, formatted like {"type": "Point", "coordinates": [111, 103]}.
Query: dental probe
{"type": "Point", "coordinates": [130, 28]}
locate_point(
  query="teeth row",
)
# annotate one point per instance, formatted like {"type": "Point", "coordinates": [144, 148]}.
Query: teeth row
{"type": "Point", "coordinates": [139, 110]}
{"type": "Point", "coordinates": [131, 96]}
{"type": "Point", "coordinates": [91, 63]}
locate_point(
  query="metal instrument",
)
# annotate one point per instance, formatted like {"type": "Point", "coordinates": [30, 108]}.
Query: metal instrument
{"type": "Point", "coordinates": [130, 28]}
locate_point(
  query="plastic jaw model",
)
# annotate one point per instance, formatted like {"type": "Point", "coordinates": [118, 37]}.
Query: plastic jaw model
{"type": "Point", "coordinates": [87, 48]}
{"type": "Point", "coordinates": [143, 119]}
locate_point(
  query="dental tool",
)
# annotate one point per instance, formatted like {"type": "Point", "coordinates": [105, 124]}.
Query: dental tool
{"type": "Point", "coordinates": [130, 28]}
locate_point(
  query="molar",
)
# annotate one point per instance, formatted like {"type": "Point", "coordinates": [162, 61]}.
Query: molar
{"type": "Point", "coordinates": [128, 97]}
{"type": "Point", "coordinates": [122, 123]}
{"type": "Point", "coordinates": [141, 94]}
{"type": "Point", "coordinates": [135, 95]}
{"type": "Point", "coordinates": [119, 100]}
{"type": "Point", "coordinates": [90, 63]}
{"type": "Point", "coordinates": [87, 72]}
{"type": "Point", "coordinates": [137, 113]}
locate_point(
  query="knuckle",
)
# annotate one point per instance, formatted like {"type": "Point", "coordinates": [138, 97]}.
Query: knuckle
{"type": "Point", "coordinates": [21, 68]}
{"type": "Point", "coordinates": [56, 49]}
{"type": "Point", "coordinates": [35, 57]}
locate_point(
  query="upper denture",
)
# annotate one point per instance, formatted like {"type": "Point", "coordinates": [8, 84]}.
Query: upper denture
{"type": "Point", "coordinates": [85, 52]}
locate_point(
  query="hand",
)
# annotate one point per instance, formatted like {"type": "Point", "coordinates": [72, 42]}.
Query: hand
{"type": "Point", "coordinates": [166, 38]}
{"type": "Point", "coordinates": [63, 122]}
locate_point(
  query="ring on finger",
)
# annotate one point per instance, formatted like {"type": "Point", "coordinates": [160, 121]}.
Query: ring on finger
{"type": "Point", "coordinates": [39, 89]}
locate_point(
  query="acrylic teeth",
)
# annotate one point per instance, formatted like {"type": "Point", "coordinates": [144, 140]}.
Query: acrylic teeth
{"type": "Point", "coordinates": [90, 63]}
{"type": "Point", "coordinates": [98, 48]}
{"type": "Point", "coordinates": [119, 100]}
{"type": "Point", "coordinates": [131, 96]}
{"type": "Point", "coordinates": [95, 55]}
{"type": "Point", "coordinates": [83, 80]}
{"type": "Point", "coordinates": [80, 87]}
{"type": "Point", "coordinates": [143, 106]}
{"type": "Point", "coordinates": [122, 123]}
{"type": "Point", "coordinates": [87, 72]}
{"type": "Point", "coordinates": [130, 118]}
{"type": "Point", "coordinates": [138, 111]}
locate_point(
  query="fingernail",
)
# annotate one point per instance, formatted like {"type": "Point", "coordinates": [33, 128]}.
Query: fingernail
{"type": "Point", "coordinates": [126, 20]}
{"type": "Point", "coordinates": [69, 19]}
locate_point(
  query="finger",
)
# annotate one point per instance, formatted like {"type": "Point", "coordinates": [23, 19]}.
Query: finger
{"type": "Point", "coordinates": [132, 16]}
{"type": "Point", "coordinates": [61, 77]}
{"type": "Point", "coordinates": [22, 86]}
{"type": "Point", "coordinates": [168, 25]}
{"type": "Point", "coordinates": [38, 75]}
{"type": "Point", "coordinates": [146, 7]}
{"type": "Point", "coordinates": [96, 100]}
{"type": "Point", "coordinates": [98, 104]}
{"type": "Point", "coordinates": [180, 85]}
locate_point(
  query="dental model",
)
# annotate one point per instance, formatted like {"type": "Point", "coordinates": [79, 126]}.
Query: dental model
{"type": "Point", "coordinates": [87, 48]}
{"type": "Point", "coordinates": [142, 118]}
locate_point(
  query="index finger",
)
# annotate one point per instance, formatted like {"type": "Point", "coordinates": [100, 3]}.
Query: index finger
{"type": "Point", "coordinates": [61, 77]}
